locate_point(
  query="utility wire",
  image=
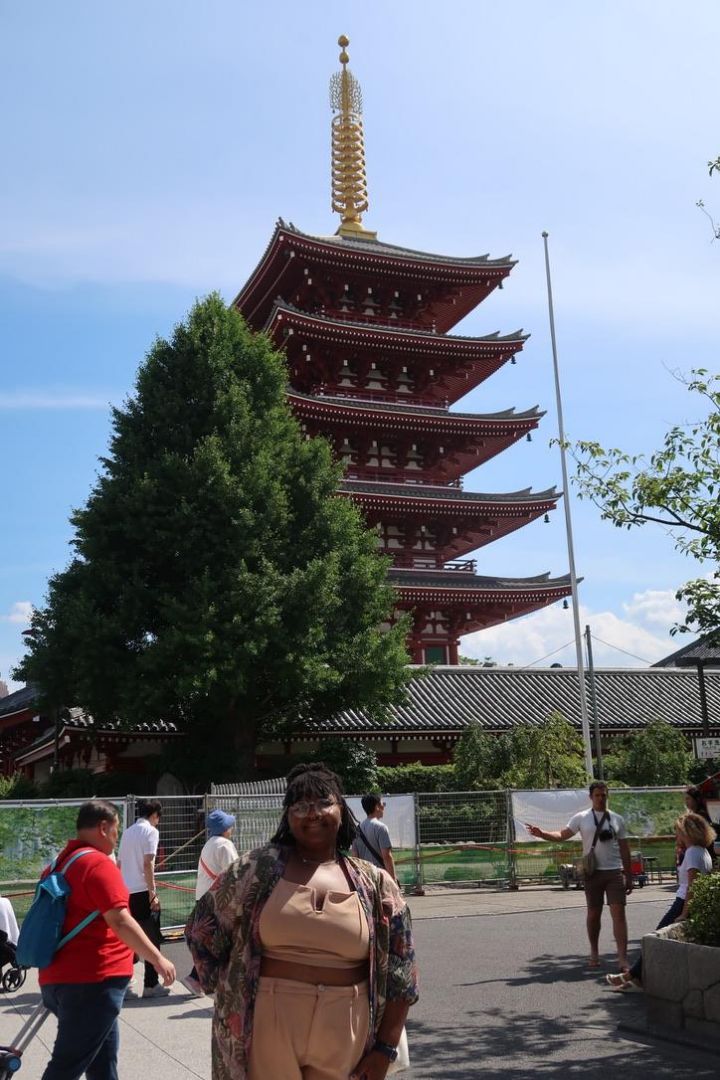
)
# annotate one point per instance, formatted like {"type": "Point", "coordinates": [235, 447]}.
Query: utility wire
{"type": "Point", "coordinates": [547, 655]}
{"type": "Point", "coordinates": [618, 649]}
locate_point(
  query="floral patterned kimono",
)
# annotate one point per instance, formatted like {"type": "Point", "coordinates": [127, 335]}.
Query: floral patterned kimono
{"type": "Point", "coordinates": [223, 935]}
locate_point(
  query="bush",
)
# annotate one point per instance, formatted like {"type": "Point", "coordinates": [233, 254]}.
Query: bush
{"type": "Point", "coordinates": [403, 779]}
{"type": "Point", "coordinates": [703, 920]}
{"type": "Point", "coordinates": [17, 786]}
{"type": "Point", "coordinates": [657, 756]}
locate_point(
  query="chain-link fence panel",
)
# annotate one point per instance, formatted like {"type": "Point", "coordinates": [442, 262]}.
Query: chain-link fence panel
{"type": "Point", "coordinates": [32, 833]}
{"type": "Point", "coordinates": [462, 837]}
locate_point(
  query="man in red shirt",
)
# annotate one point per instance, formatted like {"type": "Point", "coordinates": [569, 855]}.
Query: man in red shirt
{"type": "Point", "coordinates": [85, 984]}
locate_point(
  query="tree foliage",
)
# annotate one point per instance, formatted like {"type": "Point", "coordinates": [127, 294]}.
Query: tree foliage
{"type": "Point", "coordinates": [217, 581]}
{"type": "Point", "coordinates": [354, 762]}
{"type": "Point", "coordinates": [677, 487]}
{"type": "Point", "coordinates": [547, 755]}
{"type": "Point", "coordinates": [402, 779]}
{"type": "Point", "coordinates": [656, 756]}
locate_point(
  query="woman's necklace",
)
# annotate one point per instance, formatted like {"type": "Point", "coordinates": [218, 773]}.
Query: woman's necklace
{"type": "Point", "coordinates": [317, 862]}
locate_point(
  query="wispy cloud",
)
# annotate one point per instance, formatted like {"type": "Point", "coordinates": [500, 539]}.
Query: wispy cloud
{"type": "Point", "coordinates": [657, 606]}
{"type": "Point", "coordinates": [618, 641]}
{"type": "Point", "coordinates": [52, 399]}
{"type": "Point", "coordinates": [20, 613]}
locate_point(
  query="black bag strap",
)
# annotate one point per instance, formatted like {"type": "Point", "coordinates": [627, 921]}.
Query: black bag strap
{"type": "Point", "coordinates": [598, 825]}
{"type": "Point", "coordinates": [371, 847]}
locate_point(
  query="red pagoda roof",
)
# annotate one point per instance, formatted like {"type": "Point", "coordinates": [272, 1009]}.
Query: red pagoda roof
{"type": "Point", "coordinates": [453, 498]}
{"type": "Point", "coordinates": [369, 333]}
{"type": "Point", "coordinates": [282, 266]}
{"type": "Point", "coordinates": [407, 416]}
{"type": "Point", "coordinates": [478, 519]}
{"type": "Point", "coordinates": [456, 364]}
{"type": "Point", "coordinates": [484, 601]}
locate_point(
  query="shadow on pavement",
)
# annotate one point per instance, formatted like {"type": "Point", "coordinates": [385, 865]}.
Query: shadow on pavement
{"type": "Point", "coordinates": [541, 1048]}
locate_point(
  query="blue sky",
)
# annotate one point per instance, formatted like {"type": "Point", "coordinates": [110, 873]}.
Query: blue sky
{"type": "Point", "coordinates": [150, 148]}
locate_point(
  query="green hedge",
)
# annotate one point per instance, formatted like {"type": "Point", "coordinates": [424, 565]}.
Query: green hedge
{"type": "Point", "coordinates": [403, 779]}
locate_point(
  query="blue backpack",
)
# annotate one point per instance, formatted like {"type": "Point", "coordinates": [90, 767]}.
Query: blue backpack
{"type": "Point", "coordinates": [41, 934]}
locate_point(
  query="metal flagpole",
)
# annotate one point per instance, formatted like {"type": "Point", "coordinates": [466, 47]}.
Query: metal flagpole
{"type": "Point", "coordinates": [568, 528]}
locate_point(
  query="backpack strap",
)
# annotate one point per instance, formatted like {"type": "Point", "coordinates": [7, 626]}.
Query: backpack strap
{"type": "Point", "coordinates": [71, 860]}
{"type": "Point", "coordinates": [598, 825]}
{"type": "Point", "coordinates": [88, 918]}
{"type": "Point", "coordinates": [371, 847]}
{"type": "Point", "coordinates": [206, 870]}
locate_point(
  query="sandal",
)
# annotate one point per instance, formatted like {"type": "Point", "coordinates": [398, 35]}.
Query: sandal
{"type": "Point", "coordinates": [617, 981]}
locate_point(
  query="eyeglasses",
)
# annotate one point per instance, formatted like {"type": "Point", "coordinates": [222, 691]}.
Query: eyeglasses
{"type": "Point", "coordinates": [321, 806]}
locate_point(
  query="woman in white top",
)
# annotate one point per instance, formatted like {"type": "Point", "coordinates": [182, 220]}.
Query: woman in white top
{"type": "Point", "coordinates": [216, 856]}
{"type": "Point", "coordinates": [694, 834]}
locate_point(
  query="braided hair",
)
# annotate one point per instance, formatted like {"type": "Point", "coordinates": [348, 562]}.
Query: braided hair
{"type": "Point", "coordinates": [315, 780]}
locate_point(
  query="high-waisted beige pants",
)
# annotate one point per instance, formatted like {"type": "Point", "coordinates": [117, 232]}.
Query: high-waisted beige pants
{"type": "Point", "coordinates": [306, 1032]}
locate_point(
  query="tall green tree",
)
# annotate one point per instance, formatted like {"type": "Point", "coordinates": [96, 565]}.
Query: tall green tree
{"type": "Point", "coordinates": [545, 755]}
{"type": "Point", "coordinates": [217, 581]}
{"type": "Point", "coordinates": [655, 756]}
{"type": "Point", "coordinates": [482, 760]}
{"type": "Point", "coordinates": [678, 488]}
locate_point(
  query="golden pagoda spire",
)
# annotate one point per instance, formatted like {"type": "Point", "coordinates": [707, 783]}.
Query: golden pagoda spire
{"type": "Point", "coordinates": [349, 183]}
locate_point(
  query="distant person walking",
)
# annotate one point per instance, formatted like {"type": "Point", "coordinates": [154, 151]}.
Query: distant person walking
{"type": "Point", "coordinates": [372, 841]}
{"type": "Point", "coordinates": [603, 832]}
{"type": "Point", "coordinates": [216, 856]}
{"type": "Point", "coordinates": [136, 861]}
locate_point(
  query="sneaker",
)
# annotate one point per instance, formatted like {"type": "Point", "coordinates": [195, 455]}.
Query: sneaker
{"type": "Point", "coordinates": [131, 993]}
{"type": "Point", "coordinates": [193, 986]}
{"type": "Point", "coordinates": [156, 991]}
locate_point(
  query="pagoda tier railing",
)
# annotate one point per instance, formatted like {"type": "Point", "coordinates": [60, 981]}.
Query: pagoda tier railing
{"type": "Point", "coordinates": [457, 566]}
{"type": "Point", "coordinates": [381, 319]}
{"type": "Point", "coordinates": [384, 397]}
{"type": "Point", "coordinates": [390, 476]}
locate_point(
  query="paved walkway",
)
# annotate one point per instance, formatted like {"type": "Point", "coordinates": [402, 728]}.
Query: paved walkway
{"type": "Point", "coordinates": [502, 980]}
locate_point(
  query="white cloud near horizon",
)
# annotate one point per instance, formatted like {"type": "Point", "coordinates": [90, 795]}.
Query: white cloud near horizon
{"type": "Point", "coordinates": [20, 613]}
{"type": "Point", "coordinates": [618, 641]}
{"type": "Point", "coordinates": [657, 606]}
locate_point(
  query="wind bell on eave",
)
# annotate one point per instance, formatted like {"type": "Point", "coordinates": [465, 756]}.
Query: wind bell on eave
{"type": "Point", "coordinates": [349, 183]}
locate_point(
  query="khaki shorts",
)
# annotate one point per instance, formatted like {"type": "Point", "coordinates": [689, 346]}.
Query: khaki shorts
{"type": "Point", "coordinates": [610, 883]}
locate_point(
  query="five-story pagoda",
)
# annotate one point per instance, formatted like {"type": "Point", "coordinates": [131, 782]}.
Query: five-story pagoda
{"type": "Point", "coordinates": [365, 327]}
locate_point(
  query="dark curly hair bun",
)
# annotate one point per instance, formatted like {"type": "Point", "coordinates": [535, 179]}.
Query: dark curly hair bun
{"type": "Point", "coordinates": [317, 769]}
{"type": "Point", "coordinates": [314, 780]}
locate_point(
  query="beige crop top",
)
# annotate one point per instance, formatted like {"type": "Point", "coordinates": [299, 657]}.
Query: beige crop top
{"type": "Point", "coordinates": [291, 928]}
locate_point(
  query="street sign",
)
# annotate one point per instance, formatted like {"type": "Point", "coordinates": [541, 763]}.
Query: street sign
{"type": "Point", "coordinates": [707, 748]}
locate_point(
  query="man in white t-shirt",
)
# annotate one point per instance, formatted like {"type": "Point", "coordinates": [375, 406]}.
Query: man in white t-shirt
{"type": "Point", "coordinates": [603, 831]}
{"type": "Point", "coordinates": [136, 861]}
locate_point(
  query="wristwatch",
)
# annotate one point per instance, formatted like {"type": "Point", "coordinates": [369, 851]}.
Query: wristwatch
{"type": "Point", "coordinates": [390, 1052]}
